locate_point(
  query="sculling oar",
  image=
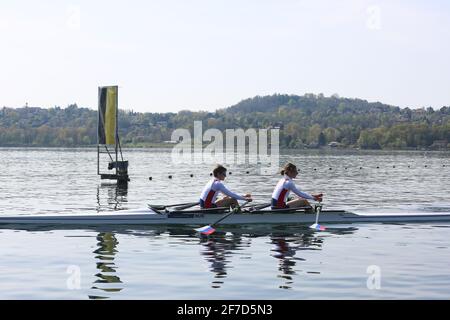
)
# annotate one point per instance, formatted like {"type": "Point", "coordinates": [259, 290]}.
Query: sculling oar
{"type": "Point", "coordinates": [162, 207]}
{"type": "Point", "coordinates": [316, 225]}
{"type": "Point", "coordinates": [188, 205]}
{"type": "Point", "coordinates": [257, 207]}
{"type": "Point", "coordinates": [209, 229]}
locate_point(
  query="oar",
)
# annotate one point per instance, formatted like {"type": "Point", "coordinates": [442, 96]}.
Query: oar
{"type": "Point", "coordinates": [258, 207]}
{"type": "Point", "coordinates": [162, 207]}
{"type": "Point", "coordinates": [316, 225]}
{"type": "Point", "coordinates": [209, 229]}
{"type": "Point", "coordinates": [188, 205]}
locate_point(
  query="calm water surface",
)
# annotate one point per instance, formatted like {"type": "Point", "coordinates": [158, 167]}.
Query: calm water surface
{"type": "Point", "coordinates": [407, 261]}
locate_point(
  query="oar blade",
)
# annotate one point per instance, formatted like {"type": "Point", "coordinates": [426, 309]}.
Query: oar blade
{"type": "Point", "coordinates": [318, 227]}
{"type": "Point", "coordinates": [206, 230]}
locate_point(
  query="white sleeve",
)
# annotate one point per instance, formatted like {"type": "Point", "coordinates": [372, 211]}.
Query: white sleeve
{"type": "Point", "coordinates": [298, 192]}
{"type": "Point", "coordinates": [221, 187]}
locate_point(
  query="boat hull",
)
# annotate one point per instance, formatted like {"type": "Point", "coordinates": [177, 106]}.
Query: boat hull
{"type": "Point", "coordinates": [149, 217]}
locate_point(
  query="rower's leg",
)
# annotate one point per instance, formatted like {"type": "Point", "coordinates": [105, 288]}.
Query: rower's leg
{"type": "Point", "coordinates": [227, 202]}
{"type": "Point", "coordinates": [297, 203]}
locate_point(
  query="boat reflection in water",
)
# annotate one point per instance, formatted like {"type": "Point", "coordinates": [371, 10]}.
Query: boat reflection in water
{"type": "Point", "coordinates": [222, 246]}
{"type": "Point", "coordinates": [218, 250]}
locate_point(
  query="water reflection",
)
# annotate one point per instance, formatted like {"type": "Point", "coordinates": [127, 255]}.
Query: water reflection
{"type": "Point", "coordinates": [107, 279]}
{"type": "Point", "coordinates": [217, 250]}
{"type": "Point", "coordinates": [287, 241]}
{"type": "Point", "coordinates": [111, 196]}
{"type": "Point", "coordinates": [287, 244]}
{"type": "Point", "coordinates": [285, 250]}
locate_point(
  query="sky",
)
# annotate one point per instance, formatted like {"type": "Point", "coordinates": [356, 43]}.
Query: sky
{"type": "Point", "coordinates": [173, 55]}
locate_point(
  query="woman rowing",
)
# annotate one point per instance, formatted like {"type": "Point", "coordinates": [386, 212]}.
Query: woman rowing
{"type": "Point", "coordinates": [285, 186]}
{"type": "Point", "coordinates": [214, 187]}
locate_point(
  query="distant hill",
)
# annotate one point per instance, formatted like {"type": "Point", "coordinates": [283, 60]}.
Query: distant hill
{"type": "Point", "coordinates": [309, 103]}
{"type": "Point", "coordinates": [305, 121]}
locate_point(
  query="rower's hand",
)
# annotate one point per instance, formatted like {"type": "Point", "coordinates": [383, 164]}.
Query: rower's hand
{"type": "Point", "coordinates": [248, 197]}
{"type": "Point", "coordinates": [318, 197]}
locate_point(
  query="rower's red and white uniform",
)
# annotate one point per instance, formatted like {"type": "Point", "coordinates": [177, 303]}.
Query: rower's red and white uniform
{"type": "Point", "coordinates": [282, 190]}
{"type": "Point", "coordinates": [212, 189]}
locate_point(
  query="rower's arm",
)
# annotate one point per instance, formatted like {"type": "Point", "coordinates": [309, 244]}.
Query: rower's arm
{"type": "Point", "coordinates": [226, 191]}
{"type": "Point", "coordinates": [300, 193]}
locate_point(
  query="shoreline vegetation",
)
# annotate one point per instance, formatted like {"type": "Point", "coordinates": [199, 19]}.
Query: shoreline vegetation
{"type": "Point", "coordinates": [305, 122]}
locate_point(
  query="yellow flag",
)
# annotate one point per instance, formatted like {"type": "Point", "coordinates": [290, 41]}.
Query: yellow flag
{"type": "Point", "coordinates": [110, 115]}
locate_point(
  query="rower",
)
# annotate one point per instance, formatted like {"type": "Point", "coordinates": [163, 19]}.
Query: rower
{"type": "Point", "coordinates": [285, 186]}
{"type": "Point", "coordinates": [212, 189]}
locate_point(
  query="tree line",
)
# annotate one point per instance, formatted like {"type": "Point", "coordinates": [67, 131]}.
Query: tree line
{"type": "Point", "coordinates": [307, 121]}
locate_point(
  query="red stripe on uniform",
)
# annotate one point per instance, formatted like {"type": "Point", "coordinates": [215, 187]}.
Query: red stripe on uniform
{"type": "Point", "coordinates": [280, 200]}
{"type": "Point", "coordinates": [208, 201]}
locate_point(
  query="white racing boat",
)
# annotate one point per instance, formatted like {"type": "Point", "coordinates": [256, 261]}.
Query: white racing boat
{"type": "Point", "coordinates": [149, 216]}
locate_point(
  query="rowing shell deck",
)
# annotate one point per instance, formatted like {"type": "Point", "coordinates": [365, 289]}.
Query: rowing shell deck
{"type": "Point", "coordinates": [147, 216]}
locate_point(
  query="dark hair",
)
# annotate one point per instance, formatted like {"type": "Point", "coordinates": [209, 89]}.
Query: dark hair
{"type": "Point", "coordinates": [288, 167]}
{"type": "Point", "coordinates": [218, 170]}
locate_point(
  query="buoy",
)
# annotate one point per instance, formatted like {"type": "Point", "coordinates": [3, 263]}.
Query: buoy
{"type": "Point", "coordinates": [170, 177]}
{"type": "Point", "coordinates": [192, 175]}
{"type": "Point", "coordinates": [315, 169]}
{"type": "Point", "coordinates": [247, 172]}
{"type": "Point", "coordinates": [360, 168]}
{"type": "Point", "coordinates": [150, 178]}
{"type": "Point", "coordinates": [330, 169]}
{"type": "Point", "coordinates": [210, 174]}
{"type": "Point", "coordinates": [393, 166]}
{"type": "Point", "coordinates": [230, 173]}
{"type": "Point", "coordinates": [378, 167]}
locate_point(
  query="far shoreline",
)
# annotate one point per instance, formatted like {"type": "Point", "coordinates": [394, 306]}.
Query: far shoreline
{"type": "Point", "coordinates": [170, 146]}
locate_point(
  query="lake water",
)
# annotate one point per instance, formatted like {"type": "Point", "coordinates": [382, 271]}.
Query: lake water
{"type": "Point", "coordinates": [355, 261]}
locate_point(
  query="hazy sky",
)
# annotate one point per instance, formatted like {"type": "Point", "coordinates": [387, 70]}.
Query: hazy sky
{"type": "Point", "coordinates": [171, 55]}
